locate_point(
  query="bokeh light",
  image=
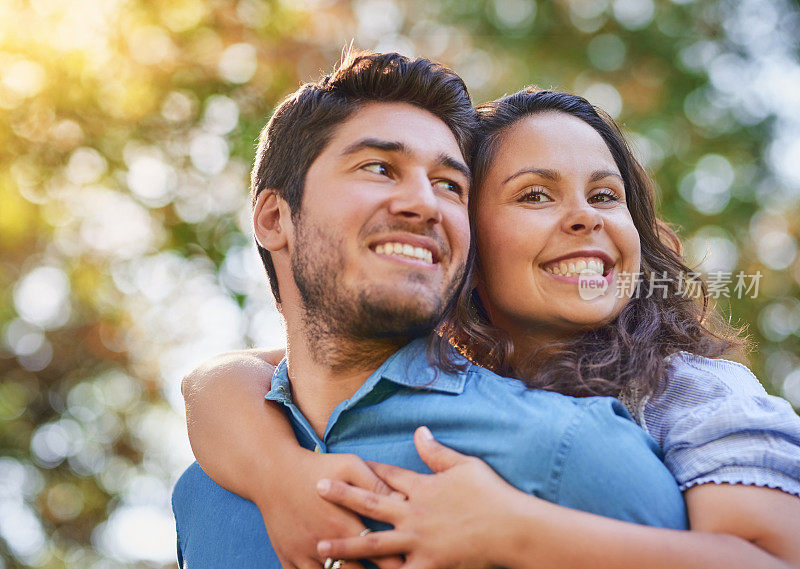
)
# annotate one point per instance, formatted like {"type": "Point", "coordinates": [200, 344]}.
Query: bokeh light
{"type": "Point", "coordinates": [128, 129]}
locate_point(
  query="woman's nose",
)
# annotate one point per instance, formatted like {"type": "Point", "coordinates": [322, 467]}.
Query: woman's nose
{"type": "Point", "coordinates": [582, 218]}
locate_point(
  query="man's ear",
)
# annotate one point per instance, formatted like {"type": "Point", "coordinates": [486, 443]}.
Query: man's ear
{"type": "Point", "coordinates": [272, 222]}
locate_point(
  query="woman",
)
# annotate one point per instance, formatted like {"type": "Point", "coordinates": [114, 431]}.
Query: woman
{"type": "Point", "coordinates": [564, 222]}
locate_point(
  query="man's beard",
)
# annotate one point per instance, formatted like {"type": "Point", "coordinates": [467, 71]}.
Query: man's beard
{"type": "Point", "coordinates": [346, 327]}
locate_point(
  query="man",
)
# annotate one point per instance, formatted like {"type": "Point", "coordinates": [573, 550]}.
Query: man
{"type": "Point", "coordinates": [360, 189]}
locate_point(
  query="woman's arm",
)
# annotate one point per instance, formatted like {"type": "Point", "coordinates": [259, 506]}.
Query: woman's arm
{"type": "Point", "coordinates": [576, 539]}
{"type": "Point", "coordinates": [765, 517]}
{"type": "Point", "coordinates": [223, 396]}
{"type": "Point", "coordinates": [246, 445]}
{"type": "Point", "coordinates": [465, 515]}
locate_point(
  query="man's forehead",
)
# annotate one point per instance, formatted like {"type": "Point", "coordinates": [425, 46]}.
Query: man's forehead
{"type": "Point", "coordinates": [409, 126]}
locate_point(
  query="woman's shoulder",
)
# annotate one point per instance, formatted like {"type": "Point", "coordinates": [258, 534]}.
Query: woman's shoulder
{"type": "Point", "coordinates": [689, 375]}
{"type": "Point", "coordinates": [695, 387]}
{"type": "Point", "coordinates": [716, 423]}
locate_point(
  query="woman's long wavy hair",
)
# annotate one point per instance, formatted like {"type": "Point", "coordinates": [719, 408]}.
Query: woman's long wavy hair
{"type": "Point", "coordinates": [627, 357]}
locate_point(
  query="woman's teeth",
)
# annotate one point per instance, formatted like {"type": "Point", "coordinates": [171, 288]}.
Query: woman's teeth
{"type": "Point", "coordinates": [405, 250]}
{"type": "Point", "coordinates": [589, 266]}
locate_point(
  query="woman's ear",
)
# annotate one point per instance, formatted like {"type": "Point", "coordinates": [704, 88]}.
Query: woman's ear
{"type": "Point", "coordinates": [271, 220]}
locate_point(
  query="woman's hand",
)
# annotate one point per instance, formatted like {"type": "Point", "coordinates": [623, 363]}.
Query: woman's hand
{"type": "Point", "coordinates": [297, 518]}
{"type": "Point", "coordinates": [453, 518]}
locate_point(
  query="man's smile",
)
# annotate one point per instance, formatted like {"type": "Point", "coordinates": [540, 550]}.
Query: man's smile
{"type": "Point", "coordinates": [408, 247]}
{"type": "Point", "coordinates": [405, 250]}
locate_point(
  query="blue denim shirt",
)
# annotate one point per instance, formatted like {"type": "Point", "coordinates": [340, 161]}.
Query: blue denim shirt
{"type": "Point", "coordinates": [582, 453]}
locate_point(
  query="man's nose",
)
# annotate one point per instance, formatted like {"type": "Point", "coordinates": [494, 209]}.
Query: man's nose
{"type": "Point", "coordinates": [416, 199]}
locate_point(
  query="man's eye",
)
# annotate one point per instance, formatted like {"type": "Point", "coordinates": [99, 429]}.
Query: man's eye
{"type": "Point", "coordinates": [377, 168]}
{"type": "Point", "coordinates": [449, 186]}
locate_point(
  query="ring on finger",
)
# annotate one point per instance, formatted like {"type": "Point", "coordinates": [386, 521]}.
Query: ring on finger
{"type": "Point", "coordinates": [331, 563]}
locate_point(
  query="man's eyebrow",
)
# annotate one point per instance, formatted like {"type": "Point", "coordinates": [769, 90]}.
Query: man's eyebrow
{"type": "Point", "coordinates": [442, 159]}
{"type": "Point", "coordinates": [376, 144]}
{"type": "Point", "coordinates": [598, 175]}
{"type": "Point", "coordinates": [454, 164]}
{"type": "Point", "coordinates": [543, 172]}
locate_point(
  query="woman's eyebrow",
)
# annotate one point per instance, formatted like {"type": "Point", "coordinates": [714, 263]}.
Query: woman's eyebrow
{"type": "Point", "coordinates": [598, 175]}
{"type": "Point", "coordinates": [543, 172]}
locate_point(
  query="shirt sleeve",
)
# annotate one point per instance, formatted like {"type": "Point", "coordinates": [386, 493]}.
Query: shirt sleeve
{"type": "Point", "coordinates": [611, 467]}
{"type": "Point", "coordinates": [717, 424]}
{"type": "Point", "coordinates": [178, 535]}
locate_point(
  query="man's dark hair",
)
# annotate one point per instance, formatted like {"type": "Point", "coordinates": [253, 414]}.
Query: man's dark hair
{"type": "Point", "coordinates": [305, 121]}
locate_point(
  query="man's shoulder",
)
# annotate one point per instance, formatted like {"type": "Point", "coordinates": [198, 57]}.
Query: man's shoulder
{"type": "Point", "coordinates": [539, 420]}
{"type": "Point", "coordinates": [217, 528]}
{"type": "Point", "coordinates": [587, 452]}
{"type": "Point", "coordinates": [411, 365]}
{"type": "Point", "coordinates": [535, 422]}
{"type": "Point", "coordinates": [192, 476]}
{"type": "Point", "coordinates": [502, 387]}
{"type": "Point", "coordinates": [186, 490]}
{"type": "Point", "coordinates": [195, 487]}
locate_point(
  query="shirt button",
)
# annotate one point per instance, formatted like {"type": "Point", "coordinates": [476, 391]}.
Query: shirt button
{"type": "Point", "coordinates": [317, 449]}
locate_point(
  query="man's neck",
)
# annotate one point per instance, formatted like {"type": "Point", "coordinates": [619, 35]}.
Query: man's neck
{"type": "Point", "coordinates": [326, 371]}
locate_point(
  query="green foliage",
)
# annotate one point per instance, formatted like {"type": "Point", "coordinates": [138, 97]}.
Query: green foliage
{"type": "Point", "coordinates": [127, 129]}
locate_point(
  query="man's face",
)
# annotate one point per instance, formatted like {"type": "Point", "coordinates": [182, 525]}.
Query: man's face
{"type": "Point", "coordinates": [381, 239]}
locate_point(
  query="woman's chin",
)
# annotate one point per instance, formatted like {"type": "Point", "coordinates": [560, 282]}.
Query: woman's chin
{"type": "Point", "coordinates": [587, 317]}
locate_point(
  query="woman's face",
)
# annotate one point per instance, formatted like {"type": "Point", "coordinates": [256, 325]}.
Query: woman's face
{"type": "Point", "coordinates": [553, 230]}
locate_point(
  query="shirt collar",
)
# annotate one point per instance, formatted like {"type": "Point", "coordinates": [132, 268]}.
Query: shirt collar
{"type": "Point", "coordinates": [407, 367]}
{"type": "Point", "coordinates": [280, 389]}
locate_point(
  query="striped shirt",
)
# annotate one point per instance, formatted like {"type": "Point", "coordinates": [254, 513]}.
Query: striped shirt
{"type": "Point", "coordinates": [716, 423]}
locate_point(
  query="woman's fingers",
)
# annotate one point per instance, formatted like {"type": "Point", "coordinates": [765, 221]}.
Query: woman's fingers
{"type": "Point", "coordinates": [360, 474]}
{"type": "Point", "coordinates": [393, 562]}
{"type": "Point", "coordinates": [398, 478]}
{"type": "Point", "coordinates": [416, 563]}
{"type": "Point", "coordinates": [373, 544]}
{"type": "Point", "coordinates": [360, 501]}
{"type": "Point", "coordinates": [308, 563]}
{"type": "Point", "coordinates": [433, 453]}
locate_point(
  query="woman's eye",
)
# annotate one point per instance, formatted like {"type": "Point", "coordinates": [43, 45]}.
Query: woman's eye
{"type": "Point", "coordinates": [377, 168]}
{"type": "Point", "coordinates": [535, 196]}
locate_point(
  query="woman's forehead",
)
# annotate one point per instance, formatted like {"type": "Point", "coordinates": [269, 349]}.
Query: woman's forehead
{"type": "Point", "coordinates": [551, 140]}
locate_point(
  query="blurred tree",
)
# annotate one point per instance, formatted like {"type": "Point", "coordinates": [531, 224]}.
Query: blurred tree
{"type": "Point", "coordinates": [127, 129]}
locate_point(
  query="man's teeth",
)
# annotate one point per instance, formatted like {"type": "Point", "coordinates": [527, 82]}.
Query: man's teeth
{"type": "Point", "coordinates": [587, 266]}
{"type": "Point", "coordinates": [405, 250]}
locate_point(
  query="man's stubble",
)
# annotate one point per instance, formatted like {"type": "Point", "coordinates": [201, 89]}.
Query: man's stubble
{"type": "Point", "coordinates": [358, 326]}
